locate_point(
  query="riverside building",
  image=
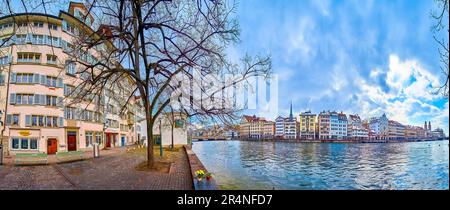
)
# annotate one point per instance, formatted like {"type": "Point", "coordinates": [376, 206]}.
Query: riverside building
{"type": "Point", "coordinates": [307, 125]}
{"type": "Point", "coordinates": [37, 78]}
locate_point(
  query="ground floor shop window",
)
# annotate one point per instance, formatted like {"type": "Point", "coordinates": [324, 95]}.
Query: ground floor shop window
{"type": "Point", "coordinates": [24, 143]}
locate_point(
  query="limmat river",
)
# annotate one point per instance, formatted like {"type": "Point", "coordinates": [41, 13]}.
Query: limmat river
{"type": "Point", "coordinates": [326, 166]}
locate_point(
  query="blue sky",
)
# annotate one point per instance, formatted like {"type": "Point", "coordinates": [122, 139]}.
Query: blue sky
{"type": "Point", "coordinates": [356, 56]}
{"type": "Point", "coordinates": [365, 57]}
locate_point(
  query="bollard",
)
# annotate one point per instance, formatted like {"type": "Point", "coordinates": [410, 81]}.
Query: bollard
{"type": "Point", "coordinates": [96, 150]}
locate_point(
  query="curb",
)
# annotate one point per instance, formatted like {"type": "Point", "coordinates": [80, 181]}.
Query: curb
{"type": "Point", "coordinates": [194, 165]}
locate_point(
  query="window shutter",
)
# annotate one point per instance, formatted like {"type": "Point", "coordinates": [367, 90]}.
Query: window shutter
{"type": "Point", "coordinates": [9, 59]}
{"type": "Point", "coordinates": [27, 120]}
{"type": "Point", "coordinates": [12, 98]}
{"type": "Point", "coordinates": [2, 79]}
{"type": "Point", "coordinates": [43, 100]}
{"type": "Point", "coordinates": [64, 45]}
{"type": "Point", "coordinates": [60, 101]}
{"type": "Point", "coordinates": [8, 119]}
{"type": "Point", "coordinates": [29, 38]}
{"type": "Point", "coordinates": [43, 80]}
{"type": "Point", "coordinates": [64, 25]}
{"type": "Point", "coordinates": [59, 83]}
{"type": "Point", "coordinates": [13, 78]}
{"type": "Point", "coordinates": [60, 122]}
{"type": "Point", "coordinates": [36, 78]}
{"type": "Point", "coordinates": [36, 99]}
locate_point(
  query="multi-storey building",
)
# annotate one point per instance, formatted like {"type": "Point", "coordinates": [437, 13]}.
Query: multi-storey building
{"type": "Point", "coordinates": [355, 129]}
{"type": "Point", "coordinates": [396, 131]}
{"type": "Point", "coordinates": [286, 127]}
{"type": "Point", "coordinates": [38, 78]}
{"type": "Point", "coordinates": [252, 127]}
{"type": "Point", "coordinates": [379, 126]}
{"type": "Point", "coordinates": [324, 125]}
{"type": "Point", "coordinates": [307, 125]}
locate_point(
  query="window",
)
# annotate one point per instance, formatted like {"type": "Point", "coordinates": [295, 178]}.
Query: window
{"type": "Point", "coordinates": [21, 38]}
{"type": "Point", "coordinates": [98, 138]}
{"type": "Point", "coordinates": [51, 100]}
{"type": "Point", "coordinates": [52, 26]}
{"type": "Point", "coordinates": [15, 143]}
{"type": "Point", "coordinates": [29, 57]}
{"type": "Point", "coordinates": [6, 25]}
{"type": "Point", "coordinates": [24, 78]}
{"type": "Point", "coordinates": [39, 24]}
{"type": "Point", "coordinates": [51, 81]}
{"type": "Point", "coordinates": [70, 67]}
{"type": "Point", "coordinates": [71, 29]}
{"type": "Point", "coordinates": [69, 113]}
{"type": "Point", "coordinates": [3, 60]}
{"type": "Point", "coordinates": [22, 24]}
{"type": "Point", "coordinates": [68, 90]}
{"type": "Point", "coordinates": [51, 59]}
{"type": "Point", "coordinates": [15, 119]}
{"type": "Point", "coordinates": [24, 143]}
{"type": "Point", "coordinates": [24, 99]}
{"type": "Point", "coordinates": [38, 39]}
{"type": "Point", "coordinates": [88, 139]}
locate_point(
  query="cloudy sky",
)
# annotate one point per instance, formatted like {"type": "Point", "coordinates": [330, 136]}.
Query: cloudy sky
{"type": "Point", "coordinates": [365, 57]}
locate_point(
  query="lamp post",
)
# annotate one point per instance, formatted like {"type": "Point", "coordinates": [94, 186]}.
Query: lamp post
{"type": "Point", "coordinates": [160, 134]}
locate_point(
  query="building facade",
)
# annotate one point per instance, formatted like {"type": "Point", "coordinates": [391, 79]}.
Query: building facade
{"type": "Point", "coordinates": [307, 125]}
{"type": "Point", "coordinates": [38, 78]}
{"type": "Point", "coordinates": [252, 127]}
{"type": "Point", "coordinates": [355, 129]}
{"type": "Point", "coordinates": [379, 126]}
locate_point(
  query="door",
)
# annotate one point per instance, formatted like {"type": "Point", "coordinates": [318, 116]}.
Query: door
{"type": "Point", "coordinates": [108, 140]}
{"type": "Point", "coordinates": [71, 142]}
{"type": "Point", "coordinates": [51, 146]}
{"type": "Point", "coordinates": [123, 141]}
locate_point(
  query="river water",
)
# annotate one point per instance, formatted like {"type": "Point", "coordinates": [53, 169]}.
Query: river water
{"type": "Point", "coordinates": [319, 166]}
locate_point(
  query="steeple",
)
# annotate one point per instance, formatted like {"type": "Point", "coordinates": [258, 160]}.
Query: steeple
{"type": "Point", "coordinates": [429, 125]}
{"type": "Point", "coordinates": [425, 126]}
{"type": "Point", "coordinates": [291, 116]}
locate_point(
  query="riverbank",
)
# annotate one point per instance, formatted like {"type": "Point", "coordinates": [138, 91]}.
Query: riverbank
{"type": "Point", "coordinates": [342, 141]}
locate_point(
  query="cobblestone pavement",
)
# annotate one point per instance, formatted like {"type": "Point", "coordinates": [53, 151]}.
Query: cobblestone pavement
{"type": "Point", "coordinates": [111, 172]}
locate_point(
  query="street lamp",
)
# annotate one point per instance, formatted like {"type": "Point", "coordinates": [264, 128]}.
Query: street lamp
{"type": "Point", "coordinates": [160, 133]}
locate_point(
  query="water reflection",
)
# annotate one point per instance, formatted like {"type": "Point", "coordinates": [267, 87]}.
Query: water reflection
{"type": "Point", "coordinates": [267, 165]}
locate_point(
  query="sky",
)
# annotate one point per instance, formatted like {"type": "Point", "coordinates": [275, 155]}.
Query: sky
{"type": "Point", "coordinates": [363, 57]}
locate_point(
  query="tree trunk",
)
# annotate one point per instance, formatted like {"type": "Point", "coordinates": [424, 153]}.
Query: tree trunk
{"type": "Point", "coordinates": [150, 158]}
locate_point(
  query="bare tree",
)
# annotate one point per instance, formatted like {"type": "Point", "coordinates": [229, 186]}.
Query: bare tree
{"type": "Point", "coordinates": [164, 46]}
{"type": "Point", "coordinates": [441, 17]}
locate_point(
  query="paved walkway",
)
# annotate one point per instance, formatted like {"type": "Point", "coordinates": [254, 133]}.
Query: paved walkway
{"type": "Point", "coordinates": [110, 172]}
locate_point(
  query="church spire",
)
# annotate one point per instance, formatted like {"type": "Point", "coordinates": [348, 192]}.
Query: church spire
{"type": "Point", "coordinates": [291, 116]}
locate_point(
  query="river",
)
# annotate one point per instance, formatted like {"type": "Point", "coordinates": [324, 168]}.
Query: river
{"type": "Point", "coordinates": [331, 166]}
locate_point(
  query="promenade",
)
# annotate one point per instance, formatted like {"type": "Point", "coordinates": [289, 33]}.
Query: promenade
{"type": "Point", "coordinates": [113, 170]}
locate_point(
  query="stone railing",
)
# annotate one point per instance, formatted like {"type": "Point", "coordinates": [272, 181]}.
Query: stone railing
{"type": "Point", "coordinates": [195, 164]}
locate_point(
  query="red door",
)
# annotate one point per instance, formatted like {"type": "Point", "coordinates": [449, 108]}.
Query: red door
{"type": "Point", "coordinates": [71, 143]}
{"type": "Point", "coordinates": [51, 146]}
{"type": "Point", "coordinates": [108, 140]}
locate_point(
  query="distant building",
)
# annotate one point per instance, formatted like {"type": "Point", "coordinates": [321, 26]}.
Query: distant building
{"type": "Point", "coordinates": [286, 128]}
{"type": "Point", "coordinates": [332, 125]}
{"type": "Point", "coordinates": [307, 125]}
{"type": "Point", "coordinates": [355, 128]}
{"type": "Point", "coordinates": [396, 131]}
{"type": "Point", "coordinates": [252, 127]}
{"type": "Point", "coordinates": [379, 126]}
